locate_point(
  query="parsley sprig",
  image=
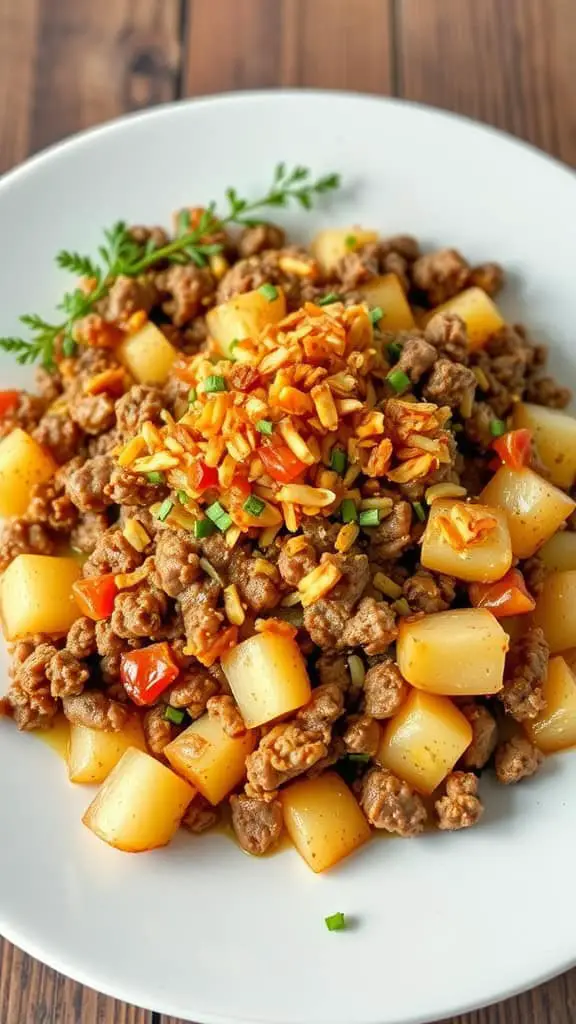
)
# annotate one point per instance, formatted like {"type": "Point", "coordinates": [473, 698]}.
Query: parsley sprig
{"type": "Point", "coordinates": [122, 255]}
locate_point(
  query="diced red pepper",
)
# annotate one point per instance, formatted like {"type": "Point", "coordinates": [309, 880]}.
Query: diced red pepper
{"type": "Point", "coordinates": [95, 596]}
{"type": "Point", "coordinates": [147, 672]}
{"type": "Point", "coordinates": [202, 477]}
{"type": "Point", "coordinates": [280, 463]}
{"type": "Point", "coordinates": [514, 448]}
{"type": "Point", "coordinates": [8, 401]}
{"type": "Point", "coordinates": [508, 596]}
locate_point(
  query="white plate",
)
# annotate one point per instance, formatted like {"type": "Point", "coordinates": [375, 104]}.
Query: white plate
{"type": "Point", "coordinates": [442, 923]}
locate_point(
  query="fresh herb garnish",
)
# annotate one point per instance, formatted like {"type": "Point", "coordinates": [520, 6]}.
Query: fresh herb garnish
{"type": "Point", "coordinates": [336, 922]}
{"type": "Point", "coordinates": [265, 427]}
{"type": "Point", "coordinates": [419, 510]}
{"type": "Point", "coordinates": [219, 516]}
{"type": "Point", "coordinates": [269, 292]}
{"type": "Point", "coordinates": [338, 461]}
{"type": "Point", "coordinates": [328, 299]}
{"type": "Point", "coordinates": [192, 396]}
{"type": "Point", "coordinates": [394, 350]}
{"type": "Point", "coordinates": [376, 315]}
{"type": "Point", "coordinates": [174, 715]}
{"type": "Point", "coordinates": [254, 505]}
{"type": "Point", "coordinates": [348, 511]}
{"type": "Point", "coordinates": [165, 510]}
{"type": "Point", "coordinates": [497, 428]}
{"type": "Point", "coordinates": [155, 478]}
{"type": "Point", "coordinates": [203, 528]}
{"type": "Point", "coordinates": [214, 383]}
{"type": "Point", "coordinates": [182, 497]}
{"type": "Point", "coordinates": [369, 517]}
{"type": "Point", "coordinates": [398, 380]}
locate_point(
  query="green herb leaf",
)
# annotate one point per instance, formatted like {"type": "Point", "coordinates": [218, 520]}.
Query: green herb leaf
{"type": "Point", "coordinates": [398, 380]}
{"type": "Point", "coordinates": [174, 715]}
{"type": "Point", "coordinates": [254, 505]}
{"type": "Point", "coordinates": [219, 516]}
{"type": "Point", "coordinates": [338, 461]}
{"type": "Point", "coordinates": [165, 510]}
{"type": "Point", "coordinates": [269, 292]}
{"type": "Point", "coordinates": [336, 922]}
{"type": "Point", "coordinates": [348, 511]}
{"type": "Point", "coordinates": [203, 528]}
{"type": "Point", "coordinates": [369, 517]}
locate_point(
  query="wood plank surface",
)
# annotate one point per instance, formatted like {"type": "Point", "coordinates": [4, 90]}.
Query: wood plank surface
{"type": "Point", "coordinates": [70, 64]}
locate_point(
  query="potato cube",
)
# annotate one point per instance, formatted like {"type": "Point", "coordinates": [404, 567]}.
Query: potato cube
{"type": "Point", "coordinates": [555, 435]}
{"type": "Point", "coordinates": [481, 316]}
{"type": "Point", "coordinates": [268, 677]}
{"type": "Point", "coordinates": [387, 292]}
{"type": "Point", "coordinates": [23, 464]}
{"type": "Point", "coordinates": [92, 753]}
{"type": "Point", "coordinates": [36, 595]}
{"type": "Point", "coordinates": [555, 727]}
{"type": "Point", "coordinates": [556, 610]}
{"type": "Point", "coordinates": [332, 244]}
{"type": "Point", "coordinates": [535, 509]}
{"type": "Point", "coordinates": [457, 653]}
{"type": "Point", "coordinates": [482, 561]}
{"type": "Point", "coordinates": [209, 759]}
{"type": "Point", "coordinates": [559, 553]}
{"type": "Point", "coordinates": [423, 742]}
{"type": "Point", "coordinates": [323, 820]}
{"type": "Point", "coordinates": [244, 316]}
{"type": "Point", "coordinates": [140, 805]}
{"type": "Point", "coordinates": [147, 355]}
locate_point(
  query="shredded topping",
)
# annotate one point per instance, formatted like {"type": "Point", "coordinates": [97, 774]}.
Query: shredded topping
{"type": "Point", "coordinates": [465, 525]}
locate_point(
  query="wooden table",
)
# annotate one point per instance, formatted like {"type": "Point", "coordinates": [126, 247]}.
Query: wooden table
{"type": "Point", "coordinates": [68, 64]}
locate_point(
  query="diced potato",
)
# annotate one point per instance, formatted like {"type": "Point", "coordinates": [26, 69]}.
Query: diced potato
{"type": "Point", "coordinates": [140, 805]}
{"type": "Point", "coordinates": [555, 435]}
{"type": "Point", "coordinates": [331, 245]}
{"type": "Point", "coordinates": [457, 653]}
{"type": "Point", "coordinates": [210, 759]}
{"type": "Point", "coordinates": [555, 727]}
{"type": "Point", "coordinates": [23, 464]}
{"type": "Point", "coordinates": [323, 820]}
{"type": "Point", "coordinates": [481, 562]}
{"type": "Point", "coordinates": [387, 292]}
{"type": "Point", "coordinates": [244, 316]}
{"type": "Point", "coordinates": [423, 742]}
{"type": "Point", "coordinates": [268, 677]}
{"type": "Point", "coordinates": [559, 553]}
{"type": "Point", "coordinates": [36, 595]}
{"type": "Point", "coordinates": [93, 753]}
{"type": "Point", "coordinates": [481, 316]}
{"type": "Point", "coordinates": [147, 355]}
{"type": "Point", "coordinates": [535, 508]}
{"type": "Point", "coordinates": [556, 610]}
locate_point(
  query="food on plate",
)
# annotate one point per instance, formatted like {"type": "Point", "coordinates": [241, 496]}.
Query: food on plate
{"type": "Point", "coordinates": [288, 534]}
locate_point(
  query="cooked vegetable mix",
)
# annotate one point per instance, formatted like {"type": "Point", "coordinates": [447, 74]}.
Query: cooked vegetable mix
{"type": "Point", "coordinates": [287, 531]}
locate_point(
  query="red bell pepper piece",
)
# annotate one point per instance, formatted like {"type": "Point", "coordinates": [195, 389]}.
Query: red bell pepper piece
{"type": "Point", "coordinates": [145, 673]}
{"type": "Point", "coordinates": [508, 596]}
{"type": "Point", "coordinates": [8, 401]}
{"type": "Point", "coordinates": [203, 477]}
{"type": "Point", "coordinates": [95, 596]}
{"type": "Point", "coordinates": [280, 463]}
{"type": "Point", "coordinates": [514, 448]}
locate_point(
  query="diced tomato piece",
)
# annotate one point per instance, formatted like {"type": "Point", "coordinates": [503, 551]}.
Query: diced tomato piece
{"type": "Point", "coordinates": [514, 448]}
{"type": "Point", "coordinates": [508, 596]}
{"type": "Point", "coordinates": [8, 401]}
{"type": "Point", "coordinates": [95, 596]}
{"type": "Point", "coordinates": [280, 463]}
{"type": "Point", "coordinates": [202, 477]}
{"type": "Point", "coordinates": [147, 672]}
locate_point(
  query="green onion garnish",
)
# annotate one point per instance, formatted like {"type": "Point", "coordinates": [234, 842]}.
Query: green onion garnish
{"type": "Point", "coordinates": [376, 314]}
{"type": "Point", "coordinates": [328, 299]}
{"type": "Point", "coordinates": [265, 427]}
{"type": "Point", "coordinates": [394, 350]}
{"type": "Point", "coordinates": [350, 241]}
{"type": "Point", "coordinates": [214, 383]}
{"type": "Point", "coordinates": [254, 505]}
{"type": "Point", "coordinates": [219, 516]}
{"type": "Point", "coordinates": [369, 517]}
{"type": "Point", "coordinates": [69, 347]}
{"type": "Point", "coordinates": [182, 497]}
{"type": "Point", "coordinates": [203, 528]}
{"type": "Point", "coordinates": [174, 715]}
{"type": "Point", "coordinates": [497, 428]}
{"type": "Point", "coordinates": [165, 510]}
{"type": "Point", "coordinates": [155, 478]}
{"type": "Point", "coordinates": [401, 606]}
{"type": "Point", "coordinates": [269, 292]}
{"type": "Point", "coordinates": [192, 396]}
{"type": "Point", "coordinates": [398, 380]}
{"type": "Point", "coordinates": [335, 923]}
{"type": "Point", "coordinates": [233, 343]}
{"type": "Point", "coordinates": [419, 510]}
{"type": "Point", "coordinates": [348, 511]}
{"type": "Point", "coordinates": [338, 461]}
{"type": "Point", "coordinates": [359, 758]}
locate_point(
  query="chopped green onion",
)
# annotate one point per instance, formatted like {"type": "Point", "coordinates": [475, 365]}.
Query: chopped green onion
{"type": "Point", "coordinates": [214, 383]}
{"type": "Point", "coordinates": [165, 510]}
{"type": "Point", "coordinates": [419, 510]}
{"type": "Point", "coordinates": [192, 396]}
{"type": "Point", "coordinates": [348, 511]}
{"type": "Point", "coordinates": [369, 517]}
{"type": "Point", "coordinates": [335, 923]}
{"type": "Point", "coordinates": [269, 292]}
{"type": "Point", "coordinates": [497, 428]}
{"type": "Point", "coordinates": [69, 347]}
{"type": "Point", "coordinates": [219, 516]}
{"type": "Point", "coordinates": [254, 506]}
{"type": "Point", "coordinates": [174, 715]}
{"type": "Point", "coordinates": [402, 607]}
{"type": "Point", "coordinates": [376, 314]}
{"type": "Point", "coordinates": [398, 380]}
{"type": "Point", "coordinates": [155, 478]}
{"type": "Point", "coordinates": [265, 427]}
{"type": "Point", "coordinates": [350, 241]}
{"type": "Point", "coordinates": [394, 350]}
{"type": "Point", "coordinates": [359, 758]}
{"type": "Point", "coordinates": [203, 528]}
{"type": "Point", "coordinates": [182, 497]}
{"type": "Point", "coordinates": [328, 299]}
{"type": "Point", "coordinates": [233, 343]}
{"type": "Point", "coordinates": [338, 461]}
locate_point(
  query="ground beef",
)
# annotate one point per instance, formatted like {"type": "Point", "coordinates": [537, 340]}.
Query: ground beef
{"type": "Point", "coordinates": [94, 414]}
{"type": "Point", "coordinates": [428, 592]}
{"type": "Point", "coordinates": [258, 239]}
{"type": "Point", "coordinates": [286, 751]}
{"type": "Point", "coordinates": [258, 824]}
{"type": "Point", "coordinates": [248, 274]}
{"type": "Point", "coordinates": [26, 415]}
{"type": "Point", "coordinates": [21, 538]}
{"type": "Point", "coordinates": [193, 690]}
{"type": "Point", "coordinates": [417, 357]}
{"type": "Point", "coordinates": [200, 816]}
{"type": "Point", "coordinates": [384, 689]}
{"type": "Point", "coordinates": [216, 551]}
{"type": "Point", "coordinates": [325, 705]}
{"type": "Point", "coordinates": [516, 759]}
{"type": "Point", "coordinates": [67, 674]}
{"type": "Point", "coordinates": [440, 275]}
{"type": "Point", "coordinates": [136, 407]}
{"type": "Point", "coordinates": [391, 804]}
{"type": "Point", "coordinates": [60, 435]}
{"type": "Point", "coordinates": [126, 488]}
{"type": "Point", "coordinates": [449, 384]}
{"type": "Point", "coordinates": [88, 530]}
{"type": "Point", "coordinates": [460, 807]}
{"type": "Point", "coordinates": [534, 572]}
{"type": "Point", "coordinates": [293, 568]}
{"type": "Point", "coordinates": [372, 627]}
{"type": "Point", "coordinates": [488, 276]}
{"type": "Point", "coordinates": [327, 618]}
{"type": "Point", "coordinates": [112, 554]}
{"type": "Point", "coordinates": [159, 732]}
{"type": "Point", "coordinates": [357, 267]}
{"type": "Point", "coordinates": [111, 648]}
{"type": "Point", "coordinates": [362, 735]}
{"type": "Point", "coordinates": [139, 612]}
{"type": "Point", "coordinates": [48, 383]}
{"type": "Point", "coordinates": [225, 710]}
{"type": "Point", "coordinates": [50, 505]}
{"type": "Point", "coordinates": [257, 589]}
{"type": "Point", "coordinates": [128, 295]}
{"type": "Point", "coordinates": [477, 426]}
{"type": "Point", "coordinates": [31, 700]}
{"type": "Point", "coordinates": [394, 263]}
{"type": "Point", "coordinates": [96, 711]}
{"type": "Point", "coordinates": [333, 669]}
{"type": "Point", "coordinates": [524, 675]}
{"type": "Point", "coordinates": [484, 735]}
{"type": "Point", "coordinates": [176, 560]}
{"type": "Point", "coordinates": [546, 391]}
{"type": "Point", "coordinates": [81, 639]}
{"type": "Point", "coordinates": [201, 620]}
{"type": "Point", "coordinates": [447, 333]}
{"type": "Point", "coordinates": [87, 486]}
{"type": "Point", "coordinates": [392, 536]}
{"type": "Point", "coordinates": [320, 532]}
{"type": "Point", "coordinates": [189, 289]}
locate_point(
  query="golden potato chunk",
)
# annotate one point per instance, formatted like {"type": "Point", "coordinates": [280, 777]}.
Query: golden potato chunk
{"type": "Point", "coordinates": [36, 595]}
{"type": "Point", "coordinates": [555, 435]}
{"type": "Point", "coordinates": [23, 464]}
{"type": "Point", "coordinates": [147, 355]}
{"type": "Point", "coordinates": [480, 560]}
{"type": "Point", "coordinates": [323, 820]}
{"type": "Point", "coordinates": [244, 316]}
{"type": "Point", "coordinates": [387, 293]}
{"type": "Point", "coordinates": [535, 509]}
{"type": "Point", "coordinates": [92, 753]}
{"type": "Point", "coordinates": [556, 610]}
{"type": "Point", "coordinates": [209, 759]}
{"type": "Point", "coordinates": [559, 553]}
{"type": "Point", "coordinates": [332, 244]}
{"type": "Point", "coordinates": [481, 316]}
{"type": "Point", "coordinates": [555, 727]}
{"type": "Point", "coordinates": [268, 677]}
